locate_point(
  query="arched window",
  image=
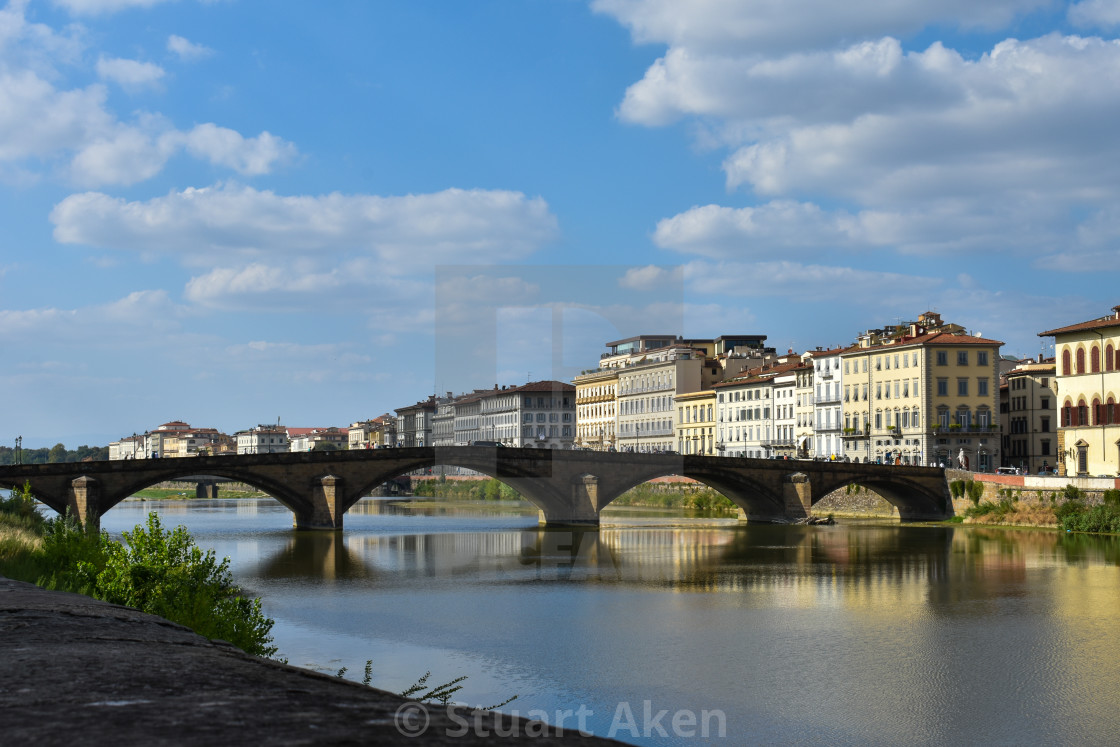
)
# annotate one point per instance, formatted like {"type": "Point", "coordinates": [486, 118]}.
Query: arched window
{"type": "Point", "coordinates": [1109, 358]}
{"type": "Point", "coordinates": [1081, 360]}
{"type": "Point", "coordinates": [1067, 415]}
{"type": "Point", "coordinates": [1110, 411]}
{"type": "Point", "coordinates": [1065, 363]}
{"type": "Point", "coordinates": [1082, 412]}
{"type": "Point", "coordinates": [1095, 360]}
{"type": "Point", "coordinates": [1096, 411]}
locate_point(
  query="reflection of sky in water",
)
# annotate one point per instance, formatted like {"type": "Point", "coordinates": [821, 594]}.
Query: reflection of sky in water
{"type": "Point", "coordinates": [851, 634]}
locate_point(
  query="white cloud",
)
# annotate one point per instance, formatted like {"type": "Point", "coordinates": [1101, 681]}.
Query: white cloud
{"type": "Point", "coordinates": [186, 49]}
{"type": "Point", "coordinates": [1099, 13]}
{"type": "Point", "coordinates": [921, 151]}
{"type": "Point", "coordinates": [715, 231]}
{"type": "Point", "coordinates": [225, 147]}
{"type": "Point", "coordinates": [62, 119]}
{"type": "Point", "coordinates": [1017, 125]}
{"type": "Point", "coordinates": [116, 323]}
{"type": "Point", "coordinates": [129, 74]}
{"type": "Point", "coordinates": [104, 7]}
{"type": "Point", "coordinates": [414, 231]}
{"type": "Point", "coordinates": [820, 283]}
{"type": "Point", "coordinates": [650, 277]}
{"type": "Point", "coordinates": [768, 26]}
{"type": "Point", "coordinates": [75, 134]}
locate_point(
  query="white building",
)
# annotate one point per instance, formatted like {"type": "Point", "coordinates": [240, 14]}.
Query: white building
{"type": "Point", "coordinates": [540, 414]}
{"type": "Point", "coordinates": [828, 388]}
{"type": "Point", "coordinates": [264, 439]}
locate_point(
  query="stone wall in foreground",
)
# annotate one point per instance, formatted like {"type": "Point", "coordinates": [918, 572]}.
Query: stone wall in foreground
{"type": "Point", "coordinates": [77, 671]}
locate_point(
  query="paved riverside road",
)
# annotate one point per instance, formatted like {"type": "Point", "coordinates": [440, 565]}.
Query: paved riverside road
{"type": "Point", "coordinates": [74, 670]}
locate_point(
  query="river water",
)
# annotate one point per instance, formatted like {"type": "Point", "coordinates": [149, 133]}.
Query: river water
{"type": "Point", "coordinates": [859, 633]}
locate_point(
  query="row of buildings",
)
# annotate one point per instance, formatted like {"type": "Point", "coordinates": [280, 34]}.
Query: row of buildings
{"type": "Point", "coordinates": [917, 392]}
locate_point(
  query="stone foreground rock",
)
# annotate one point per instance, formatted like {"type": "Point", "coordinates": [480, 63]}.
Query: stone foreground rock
{"type": "Point", "coordinates": [74, 670]}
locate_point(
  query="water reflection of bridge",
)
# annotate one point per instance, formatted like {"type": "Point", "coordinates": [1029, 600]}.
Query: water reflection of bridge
{"type": "Point", "coordinates": [810, 563]}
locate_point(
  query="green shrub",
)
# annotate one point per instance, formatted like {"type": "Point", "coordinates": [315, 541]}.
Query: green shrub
{"type": "Point", "coordinates": [21, 504]}
{"type": "Point", "coordinates": [975, 491]}
{"type": "Point", "coordinates": [956, 487]}
{"type": "Point", "coordinates": [1072, 493]}
{"type": "Point", "coordinates": [1103, 518]}
{"type": "Point", "coordinates": [1112, 497]}
{"type": "Point", "coordinates": [1068, 508]}
{"type": "Point", "coordinates": [156, 571]}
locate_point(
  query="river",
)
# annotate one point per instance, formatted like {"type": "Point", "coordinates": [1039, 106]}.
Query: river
{"type": "Point", "coordinates": [859, 633]}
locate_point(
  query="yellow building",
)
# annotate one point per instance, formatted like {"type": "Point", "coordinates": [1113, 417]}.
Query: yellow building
{"type": "Point", "coordinates": [1088, 377]}
{"type": "Point", "coordinates": [696, 422]}
{"type": "Point", "coordinates": [923, 398]}
{"type": "Point", "coordinates": [595, 409]}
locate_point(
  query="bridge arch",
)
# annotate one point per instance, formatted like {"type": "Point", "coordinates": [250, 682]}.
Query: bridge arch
{"type": "Point", "coordinates": [916, 497]}
{"type": "Point", "coordinates": [755, 498]}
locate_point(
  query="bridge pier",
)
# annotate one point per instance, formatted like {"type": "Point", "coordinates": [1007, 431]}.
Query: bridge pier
{"type": "Point", "coordinates": [326, 506]}
{"type": "Point", "coordinates": [581, 509]}
{"type": "Point", "coordinates": [83, 502]}
{"type": "Point", "coordinates": [206, 490]}
{"type": "Point", "coordinates": [797, 494]}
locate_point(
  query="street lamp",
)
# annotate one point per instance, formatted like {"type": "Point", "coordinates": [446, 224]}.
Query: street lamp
{"type": "Point", "coordinates": [19, 449]}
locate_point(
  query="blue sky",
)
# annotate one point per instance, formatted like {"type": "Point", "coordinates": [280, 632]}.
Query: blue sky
{"type": "Point", "coordinates": [230, 212]}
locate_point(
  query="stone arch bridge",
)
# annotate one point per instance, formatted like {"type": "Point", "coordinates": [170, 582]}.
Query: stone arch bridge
{"type": "Point", "coordinates": [568, 487]}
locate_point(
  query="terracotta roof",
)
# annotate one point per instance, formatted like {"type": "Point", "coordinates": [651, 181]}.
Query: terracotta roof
{"type": "Point", "coordinates": [1104, 321]}
{"type": "Point", "coordinates": [930, 338]}
{"type": "Point", "coordinates": [760, 374]}
{"type": "Point", "coordinates": [832, 351]}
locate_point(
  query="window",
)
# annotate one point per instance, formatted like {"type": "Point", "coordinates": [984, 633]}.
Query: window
{"type": "Point", "coordinates": [942, 387]}
{"type": "Point", "coordinates": [962, 357]}
{"type": "Point", "coordinates": [1065, 363]}
{"type": "Point", "coordinates": [981, 357]}
{"type": "Point", "coordinates": [1045, 447]}
{"type": "Point", "coordinates": [982, 387]}
{"type": "Point", "coordinates": [1081, 360]}
{"type": "Point", "coordinates": [1095, 360]}
{"type": "Point", "coordinates": [1108, 358]}
{"type": "Point", "coordinates": [942, 358]}
{"type": "Point", "coordinates": [962, 387]}
{"type": "Point", "coordinates": [1044, 425]}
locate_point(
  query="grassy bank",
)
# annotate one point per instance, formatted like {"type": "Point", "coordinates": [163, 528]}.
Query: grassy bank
{"type": "Point", "coordinates": [1067, 510]}
{"type": "Point", "coordinates": [465, 490]}
{"type": "Point", "coordinates": [675, 495]}
{"type": "Point", "coordinates": [651, 495]}
{"type": "Point", "coordinates": [186, 491]}
{"type": "Point", "coordinates": [158, 571]}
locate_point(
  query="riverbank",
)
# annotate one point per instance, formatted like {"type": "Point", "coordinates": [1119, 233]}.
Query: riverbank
{"type": "Point", "coordinates": [77, 670]}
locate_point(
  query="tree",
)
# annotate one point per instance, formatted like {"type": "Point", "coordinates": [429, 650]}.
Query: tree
{"type": "Point", "coordinates": [57, 454]}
